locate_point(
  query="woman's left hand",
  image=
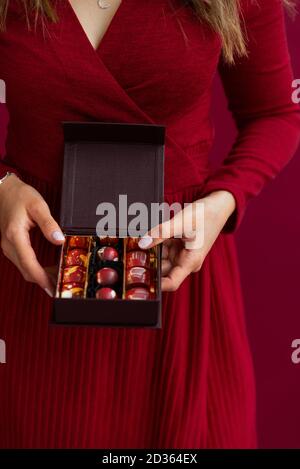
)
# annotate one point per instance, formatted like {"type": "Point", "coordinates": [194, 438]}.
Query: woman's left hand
{"type": "Point", "coordinates": [188, 236]}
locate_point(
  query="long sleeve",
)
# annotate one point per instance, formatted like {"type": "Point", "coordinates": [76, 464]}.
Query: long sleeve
{"type": "Point", "coordinates": [4, 168]}
{"type": "Point", "coordinates": [259, 90]}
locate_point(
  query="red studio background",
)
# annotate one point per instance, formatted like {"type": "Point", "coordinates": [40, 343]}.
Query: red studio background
{"type": "Point", "coordinates": [268, 243]}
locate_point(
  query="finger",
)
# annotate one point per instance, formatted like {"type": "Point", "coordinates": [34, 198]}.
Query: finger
{"type": "Point", "coordinates": [194, 243]}
{"type": "Point", "coordinates": [40, 213]}
{"type": "Point", "coordinates": [164, 231]}
{"type": "Point", "coordinates": [28, 264]}
{"type": "Point", "coordinates": [166, 267]}
{"type": "Point", "coordinates": [184, 224]}
{"type": "Point", "coordinates": [165, 252]}
{"type": "Point", "coordinates": [174, 279]}
{"type": "Point", "coordinates": [52, 274]}
{"type": "Point", "coordinates": [12, 256]}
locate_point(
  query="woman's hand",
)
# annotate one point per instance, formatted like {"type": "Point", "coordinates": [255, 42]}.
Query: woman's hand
{"type": "Point", "coordinates": [22, 208]}
{"type": "Point", "coordinates": [188, 236]}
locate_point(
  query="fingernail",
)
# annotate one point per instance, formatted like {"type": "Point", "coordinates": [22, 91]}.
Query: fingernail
{"type": "Point", "coordinates": [58, 236]}
{"type": "Point", "coordinates": [49, 292]}
{"type": "Point", "coordinates": [145, 242]}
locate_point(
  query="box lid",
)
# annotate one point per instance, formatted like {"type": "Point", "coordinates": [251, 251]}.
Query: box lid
{"type": "Point", "coordinates": [103, 161]}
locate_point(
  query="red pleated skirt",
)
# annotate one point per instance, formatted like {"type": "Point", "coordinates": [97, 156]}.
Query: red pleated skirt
{"type": "Point", "coordinates": [187, 385]}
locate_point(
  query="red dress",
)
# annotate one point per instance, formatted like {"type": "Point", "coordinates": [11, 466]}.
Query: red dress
{"type": "Point", "coordinates": [190, 384]}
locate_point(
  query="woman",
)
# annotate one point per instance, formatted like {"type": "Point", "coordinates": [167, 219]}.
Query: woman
{"type": "Point", "coordinates": [190, 384]}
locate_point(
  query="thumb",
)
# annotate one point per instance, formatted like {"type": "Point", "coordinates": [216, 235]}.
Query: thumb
{"type": "Point", "coordinates": [166, 230]}
{"type": "Point", "coordinates": [40, 213]}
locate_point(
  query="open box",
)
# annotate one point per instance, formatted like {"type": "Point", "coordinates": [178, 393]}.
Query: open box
{"type": "Point", "coordinates": [102, 161]}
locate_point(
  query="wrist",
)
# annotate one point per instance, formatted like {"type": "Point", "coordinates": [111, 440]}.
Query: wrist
{"type": "Point", "coordinates": [8, 176]}
{"type": "Point", "coordinates": [8, 182]}
{"type": "Point", "coordinates": [220, 203]}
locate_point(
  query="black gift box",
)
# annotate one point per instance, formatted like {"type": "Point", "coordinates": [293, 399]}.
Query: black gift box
{"type": "Point", "coordinates": [103, 160]}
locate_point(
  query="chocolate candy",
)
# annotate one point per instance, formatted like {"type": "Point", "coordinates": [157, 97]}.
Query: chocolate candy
{"type": "Point", "coordinates": [108, 240]}
{"type": "Point", "coordinates": [106, 293]}
{"type": "Point", "coordinates": [74, 274]}
{"type": "Point", "coordinates": [132, 244]}
{"type": "Point", "coordinates": [108, 253]}
{"type": "Point", "coordinates": [138, 259]}
{"type": "Point", "coordinates": [79, 242]}
{"type": "Point", "coordinates": [72, 290]}
{"type": "Point", "coordinates": [76, 257]}
{"type": "Point", "coordinates": [138, 294]}
{"type": "Point", "coordinates": [107, 276]}
{"type": "Point", "coordinates": [137, 277]}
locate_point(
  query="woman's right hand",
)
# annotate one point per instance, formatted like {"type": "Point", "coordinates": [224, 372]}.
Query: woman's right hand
{"type": "Point", "coordinates": [21, 209]}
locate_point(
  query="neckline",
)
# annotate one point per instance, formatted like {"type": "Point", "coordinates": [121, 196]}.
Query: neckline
{"type": "Point", "coordinates": [108, 31]}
